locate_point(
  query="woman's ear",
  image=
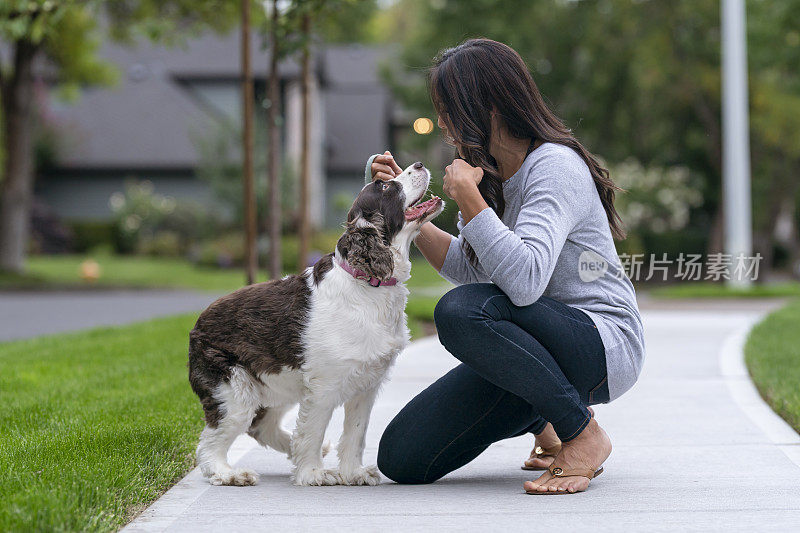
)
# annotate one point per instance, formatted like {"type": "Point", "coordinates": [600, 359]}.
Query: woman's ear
{"type": "Point", "coordinates": [363, 248]}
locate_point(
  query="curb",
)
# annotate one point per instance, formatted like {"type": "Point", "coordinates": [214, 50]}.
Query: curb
{"type": "Point", "coordinates": [163, 512]}
{"type": "Point", "coordinates": [747, 398]}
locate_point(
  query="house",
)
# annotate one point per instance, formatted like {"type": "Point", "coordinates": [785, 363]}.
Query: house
{"type": "Point", "coordinates": [147, 126]}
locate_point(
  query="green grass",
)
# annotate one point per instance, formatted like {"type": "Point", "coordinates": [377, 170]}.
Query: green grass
{"type": "Point", "coordinates": [719, 290]}
{"type": "Point", "coordinates": [772, 353]}
{"type": "Point", "coordinates": [123, 271]}
{"type": "Point", "coordinates": [63, 271]}
{"type": "Point", "coordinates": [96, 425]}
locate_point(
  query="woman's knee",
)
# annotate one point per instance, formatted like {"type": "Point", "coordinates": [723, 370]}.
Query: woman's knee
{"type": "Point", "coordinates": [459, 307]}
{"type": "Point", "coordinates": [396, 459]}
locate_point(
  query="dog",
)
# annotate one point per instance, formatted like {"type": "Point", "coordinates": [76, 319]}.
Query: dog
{"type": "Point", "coordinates": [323, 338]}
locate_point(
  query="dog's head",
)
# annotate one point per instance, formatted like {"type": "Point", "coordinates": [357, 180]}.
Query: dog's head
{"type": "Point", "coordinates": [384, 219]}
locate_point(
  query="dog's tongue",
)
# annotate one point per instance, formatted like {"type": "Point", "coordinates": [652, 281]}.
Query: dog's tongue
{"type": "Point", "coordinates": [416, 211]}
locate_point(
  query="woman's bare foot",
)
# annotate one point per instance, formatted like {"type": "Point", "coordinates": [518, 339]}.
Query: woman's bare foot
{"type": "Point", "coordinates": [545, 441]}
{"type": "Point", "coordinates": [586, 452]}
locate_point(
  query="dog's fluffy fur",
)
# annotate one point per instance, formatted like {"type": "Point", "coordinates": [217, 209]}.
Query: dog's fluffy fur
{"type": "Point", "coordinates": [321, 339]}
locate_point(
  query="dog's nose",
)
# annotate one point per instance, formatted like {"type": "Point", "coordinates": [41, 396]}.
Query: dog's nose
{"type": "Point", "coordinates": [418, 165]}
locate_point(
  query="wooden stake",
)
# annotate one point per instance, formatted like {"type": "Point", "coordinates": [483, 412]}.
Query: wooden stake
{"type": "Point", "coordinates": [305, 171]}
{"type": "Point", "coordinates": [274, 152]}
{"type": "Point", "coordinates": [250, 252]}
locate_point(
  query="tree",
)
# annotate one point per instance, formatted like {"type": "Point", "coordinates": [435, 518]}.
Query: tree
{"type": "Point", "coordinates": [62, 32]}
{"type": "Point", "coordinates": [61, 38]}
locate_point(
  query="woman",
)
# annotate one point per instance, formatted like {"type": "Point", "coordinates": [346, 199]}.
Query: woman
{"type": "Point", "coordinates": [543, 319]}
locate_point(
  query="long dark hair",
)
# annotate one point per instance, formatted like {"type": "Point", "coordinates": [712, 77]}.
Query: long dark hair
{"type": "Point", "coordinates": [479, 76]}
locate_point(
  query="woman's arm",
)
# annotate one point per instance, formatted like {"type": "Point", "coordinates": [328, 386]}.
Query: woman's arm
{"type": "Point", "coordinates": [522, 261]}
{"type": "Point", "coordinates": [433, 243]}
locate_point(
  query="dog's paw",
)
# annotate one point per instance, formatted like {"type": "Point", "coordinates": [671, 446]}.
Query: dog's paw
{"type": "Point", "coordinates": [326, 448]}
{"type": "Point", "coordinates": [315, 477]}
{"type": "Point", "coordinates": [238, 477]}
{"type": "Point", "coordinates": [364, 475]}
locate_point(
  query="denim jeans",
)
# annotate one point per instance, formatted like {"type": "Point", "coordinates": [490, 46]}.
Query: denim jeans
{"type": "Point", "coordinates": [521, 368]}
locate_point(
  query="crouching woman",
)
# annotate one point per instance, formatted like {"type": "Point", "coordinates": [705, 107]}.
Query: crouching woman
{"type": "Point", "coordinates": [544, 320]}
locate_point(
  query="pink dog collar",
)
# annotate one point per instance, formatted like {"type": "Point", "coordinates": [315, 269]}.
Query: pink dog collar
{"type": "Point", "coordinates": [360, 274]}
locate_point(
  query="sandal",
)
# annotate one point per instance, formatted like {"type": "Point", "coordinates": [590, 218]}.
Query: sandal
{"type": "Point", "coordinates": [557, 471]}
{"type": "Point", "coordinates": [539, 453]}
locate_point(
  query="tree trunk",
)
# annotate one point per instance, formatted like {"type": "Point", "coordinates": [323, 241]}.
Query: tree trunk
{"type": "Point", "coordinates": [17, 186]}
{"type": "Point", "coordinates": [305, 155]}
{"type": "Point", "coordinates": [716, 235]}
{"type": "Point", "coordinates": [274, 152]}
{"type": "Point", "coordinates": [250, 251]}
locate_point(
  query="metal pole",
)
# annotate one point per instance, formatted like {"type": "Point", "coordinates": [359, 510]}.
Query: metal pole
{"type": "Point", "coordinates": [250, 252]}
{"type": "Point", "coordinates": [736, 136]}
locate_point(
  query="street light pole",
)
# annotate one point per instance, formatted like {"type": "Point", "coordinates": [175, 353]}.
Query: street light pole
{"type": "Point", "coordinates": [735, 137]}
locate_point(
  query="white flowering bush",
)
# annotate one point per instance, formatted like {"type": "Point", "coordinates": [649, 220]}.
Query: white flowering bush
{"type": "Point", "coordinates": [151, 223]}
{"type": "Point", "coordinates": [657, 199]}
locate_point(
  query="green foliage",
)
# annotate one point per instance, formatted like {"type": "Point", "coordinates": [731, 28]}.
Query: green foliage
{"type": "Point", "coordinates": [772, 354]}
{"type": "Point", "coordinates": [66, 31]}
{"type": "Point", "coordinates": [97, 425]}
{"type": "Point", "coordinates": [330, 20]}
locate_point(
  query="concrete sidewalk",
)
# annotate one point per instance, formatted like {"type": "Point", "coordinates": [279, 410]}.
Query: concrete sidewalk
{"type": "Point", "coordinates": [687, 457]}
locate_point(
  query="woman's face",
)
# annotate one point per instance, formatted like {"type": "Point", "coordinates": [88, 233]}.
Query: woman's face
{"type": "Point", "coordinates": [446, 134]}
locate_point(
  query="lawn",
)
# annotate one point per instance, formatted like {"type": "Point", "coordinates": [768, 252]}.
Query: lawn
{"type": "Point", "coordinates": [719, 290]}
{"type": "Point", "coordinates": [772, 354]}
{"type": "Point", "coordinates": [96, 425]}
{"type": "Point", "coordinates": [63, 271]}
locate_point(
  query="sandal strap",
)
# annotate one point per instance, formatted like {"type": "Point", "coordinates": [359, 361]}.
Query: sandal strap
{"type": "Point", "coordinates": [557, 471]}
{"type": "Point", "coordinates": [545, 452]}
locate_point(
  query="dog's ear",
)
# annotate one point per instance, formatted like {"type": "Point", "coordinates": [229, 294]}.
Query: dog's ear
{"type": "Point", "coordinates": [363, 246]}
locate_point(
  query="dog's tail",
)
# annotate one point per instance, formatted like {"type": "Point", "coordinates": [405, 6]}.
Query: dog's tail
{"type": "Point", "coordinates": [208, 368]}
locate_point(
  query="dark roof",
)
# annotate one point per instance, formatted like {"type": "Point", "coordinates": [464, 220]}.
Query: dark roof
{"type": "Point", "coordinates": [356, 106]}
{"type": "Point", "coordinates": [150, 118]}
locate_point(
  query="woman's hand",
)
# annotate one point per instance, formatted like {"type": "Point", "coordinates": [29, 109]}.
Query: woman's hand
{"type": "Point", "coordinates": [384, 167]}
{"type": "Point", "coordinates": [461, 184]}
{"type": "Point", "coordinates": [461, 179]}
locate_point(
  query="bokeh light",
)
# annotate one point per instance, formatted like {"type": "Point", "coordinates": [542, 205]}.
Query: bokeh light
{"type": "Point", "coordinates": [423, 125]}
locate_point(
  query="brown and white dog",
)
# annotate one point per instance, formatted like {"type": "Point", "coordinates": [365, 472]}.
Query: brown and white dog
{"type": "Point", "coordinates": [322, 338]}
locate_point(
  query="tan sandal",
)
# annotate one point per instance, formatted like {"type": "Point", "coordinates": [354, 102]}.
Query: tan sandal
{"type": "Point", "coordinates": [557, 471]}
{"type": "Point", "coordinates": [539, 453]}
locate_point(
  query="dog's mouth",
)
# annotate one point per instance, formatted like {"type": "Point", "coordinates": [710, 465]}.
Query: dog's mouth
{"type": "Point", "coordinates": [422, 209]}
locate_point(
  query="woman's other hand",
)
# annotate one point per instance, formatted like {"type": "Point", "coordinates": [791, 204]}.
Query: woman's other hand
{"type": "Point", "coordinates": [461, 184]}
{"type": "Point", "coordinates": [384, 167]}
{"type": "Point", "coordinates": [461, 179]}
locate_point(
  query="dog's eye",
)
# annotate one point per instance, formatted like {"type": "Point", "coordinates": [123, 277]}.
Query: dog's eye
{"type": "Point", "coordinates": [384, 185]}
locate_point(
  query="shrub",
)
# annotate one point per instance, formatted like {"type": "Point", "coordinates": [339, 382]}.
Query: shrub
{"type": "Point", "coordinates": [88, 235]}
{"type": "Point", "coordinates": [154, 224]}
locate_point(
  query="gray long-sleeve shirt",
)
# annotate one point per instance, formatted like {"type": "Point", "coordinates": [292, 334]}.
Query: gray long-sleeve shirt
{"type": "Point", "coordinates": [554, 240]}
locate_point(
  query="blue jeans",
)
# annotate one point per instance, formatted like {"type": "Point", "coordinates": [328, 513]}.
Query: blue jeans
{"type": "Point", "coordinates": [521, 368]}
